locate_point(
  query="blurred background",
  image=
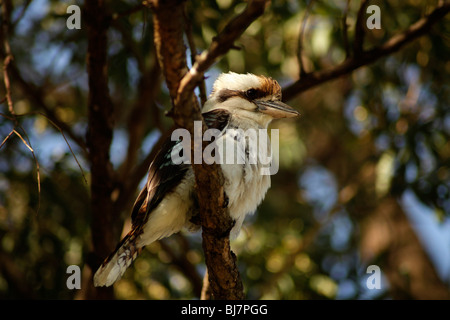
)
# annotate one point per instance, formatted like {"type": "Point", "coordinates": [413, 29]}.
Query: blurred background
{"type": "Point", "coordinates": [364, 173]}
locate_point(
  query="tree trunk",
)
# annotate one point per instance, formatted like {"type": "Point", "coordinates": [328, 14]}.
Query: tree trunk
{"type": "Point", "coordinates": [104, 227]}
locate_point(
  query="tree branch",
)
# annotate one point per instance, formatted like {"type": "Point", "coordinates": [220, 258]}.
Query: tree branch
{"type": "Point", "coordinates": [394, 44]}
{"type": "Point", "coordinates": [223, 274]}
{"type": "Point", "coordinates": [8, 57]}
{"type": "Point", "coordinates": [301, 35]}
{"type": "Point", "coordinates": [224, 278]}
{"type": "Point", "coordinates": [218, 47]}
{"type": "Point", "coordinates": [193, 50]}
{"type": "Point", "coordinates": [345, 30]}
{"type": "Point", "coordinates": [7, 63]}
{"type": "Point", "coordinates": [33, 93]}
{"type": "Point", "coordinates": [359, 30]}
{"type": "Point", "coordinates": [37, 98]}
{"type": "Point", "coordinates": [168, 37]}
{"type": "Point", "coordinates": [206, 290]}
{"type": "Point", "coordinates": [105, 230]}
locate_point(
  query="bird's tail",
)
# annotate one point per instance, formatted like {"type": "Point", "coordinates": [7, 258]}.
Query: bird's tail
{"type": "Point", "coordinates": [115, 265]}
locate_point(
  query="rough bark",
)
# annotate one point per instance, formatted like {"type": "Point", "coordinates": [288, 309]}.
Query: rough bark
{"type": "Point", "coordinates": [216, 223]}
{"type": "Point", "coordinates": [105, 229]}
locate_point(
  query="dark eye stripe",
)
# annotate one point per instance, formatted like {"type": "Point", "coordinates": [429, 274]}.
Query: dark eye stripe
{"type": "Point", "coordinates": [226, 94]}
{"type": "Point", "coordinates": [250, 94]}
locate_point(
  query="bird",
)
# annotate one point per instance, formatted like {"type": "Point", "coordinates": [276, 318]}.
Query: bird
{"type": "Point", "coordinates": [167, 203]}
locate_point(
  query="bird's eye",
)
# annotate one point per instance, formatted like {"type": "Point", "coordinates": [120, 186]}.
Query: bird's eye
{"type": "Point", "coordinates": [251, 94]}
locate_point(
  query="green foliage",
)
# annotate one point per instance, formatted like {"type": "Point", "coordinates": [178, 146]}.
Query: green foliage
{"type": "Point", "coordinates": [393, 115]}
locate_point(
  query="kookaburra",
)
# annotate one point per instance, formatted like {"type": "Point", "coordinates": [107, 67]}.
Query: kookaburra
{"type": "Point", "coordinates": [167, 203]}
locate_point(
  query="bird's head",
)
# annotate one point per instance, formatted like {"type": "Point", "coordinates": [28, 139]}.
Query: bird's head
{"type": "Point", "coordinates": [249, 97]}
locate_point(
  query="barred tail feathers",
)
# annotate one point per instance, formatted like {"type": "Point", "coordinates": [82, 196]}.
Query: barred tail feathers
{"type": "Point", "coordinates": [117, 263]}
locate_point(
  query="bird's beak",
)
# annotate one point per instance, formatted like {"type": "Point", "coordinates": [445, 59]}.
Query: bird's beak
{"type": "Point", "coordinates": [276, 109]}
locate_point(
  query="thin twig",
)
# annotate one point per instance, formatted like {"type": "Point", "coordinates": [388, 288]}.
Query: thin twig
{"type": "Point", "coordinates": [36, 97]}
{"type": "Point", "coordinates": [194, 55]}
{"type": "Point", "coordinates": [56, 126]}
{"type": "Point", "coordinates": [22, 13]}
{"type": "Point", "coordinates": [7, 63]}
{"type": "Point", "coordinates": [23, 140]}
{"type": "Point", "coordinates": [6, 139]}
{"type": "Point", "coordinates": [359, 30]}
{"type": "Point", "coordinates": [206, 289]}
{"type": "Point", "coordinates": [345, 30]}
{"type": "Point", "coordinates": [8, 58]}
{"type": "Point", "coordinates": [394, 44]}
{"type": "Point", "coordinates": [301, 63]}
{"type": "Point", "coordinates": [38, 174]}
{"type": "Point", "coordinates": [218, 47]}
{"type": "Point", "coordinates": [67, 142]}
